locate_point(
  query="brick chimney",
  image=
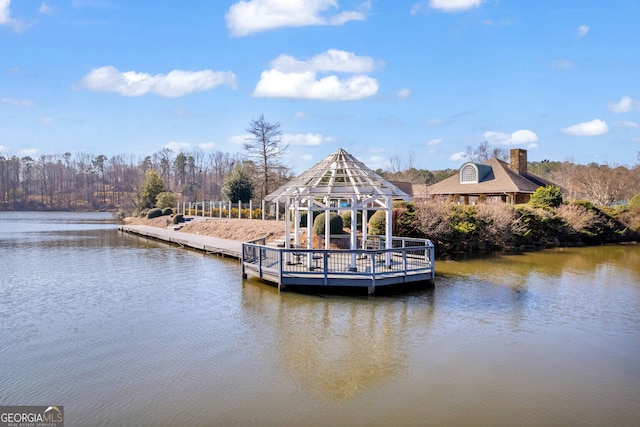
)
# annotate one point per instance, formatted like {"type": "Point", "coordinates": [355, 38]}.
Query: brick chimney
{"type": "Point", "coordinates": [518, 162]}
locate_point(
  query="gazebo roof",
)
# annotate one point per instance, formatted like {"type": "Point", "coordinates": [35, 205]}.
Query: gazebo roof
{"type": "Point", "coordinates": [339, 176]}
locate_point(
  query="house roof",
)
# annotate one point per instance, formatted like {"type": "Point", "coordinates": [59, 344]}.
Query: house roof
{"type": "Point", "coordinates": [340, 175]}
{"type": "Point", "coordinates": [502, 180]}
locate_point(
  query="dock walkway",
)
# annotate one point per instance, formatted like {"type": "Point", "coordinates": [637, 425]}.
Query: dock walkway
{"type": "Point", "coordinates": [208, 244]}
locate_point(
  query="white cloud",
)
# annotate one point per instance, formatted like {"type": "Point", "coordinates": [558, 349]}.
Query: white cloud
{"type": "Point", "coordinates": [377, 162]}
{"type": "Point", "coordinates": [593, 128]}
{"type": "Point", "coordinates": [253, 16]}
{"type": "Point", "coordinates": [17, 102]}
{"type": "Point", "coordinates": [519, 137]}
{"type": "Point", "coordinates": [627, 124]}
{"type": "Point", "coordinates": [28, 152]}
{"type": "Point", "coordinates": [435, 141]}
{"type": "Point", "coordinates": [331, 60]}
{"type": "Point", "coordinates": [624, 105]}
{"type": "Point", "coordinates": [404, 93]}
{"type": "Point", "coordinates": [453, 5]}
{"type": "Point", "coordinates": [6, 19]}
{"type": "Point", "coordinates": [3, 149]}
{"type": "Point", "coordinates": [274, 83]}
{"type": "Point", "coordinates": [292, 78]}
{"type": "Point", "coordinates": [582, 30]}
{"type": "Point", "coordinates": [240, 139]}
{"type": "Point", "coordinates": [175, 83]}
{"type": "Point", "coordinates": [306, 139]}
{"type": "Point", "coordinates": [299, 115]}
{"type": "Point", "coordinates": [456, 157]}
{"type": "Point", "coordinates": [45, 120]}
{"type": "Point", "coordinates": [523, 136]}
{"type": "Point", "coordinates": [45, 9]}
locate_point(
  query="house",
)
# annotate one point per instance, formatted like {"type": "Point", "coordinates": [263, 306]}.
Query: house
{"type": "Point", "coordinates": [494, 180]}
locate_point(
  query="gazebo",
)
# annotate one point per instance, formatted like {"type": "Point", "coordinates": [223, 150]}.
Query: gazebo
{"type": "Point", "coordinates": [338, 183]}
{"type": "Point", "coordinates": [341, 183]}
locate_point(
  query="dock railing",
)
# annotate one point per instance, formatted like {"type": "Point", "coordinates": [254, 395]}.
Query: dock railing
{"type": "Point", "coordinates": [341, 267]}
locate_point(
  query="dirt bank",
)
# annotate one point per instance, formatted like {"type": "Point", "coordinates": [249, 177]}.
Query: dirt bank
{"type": "Point", "coordinates": [241, 230]}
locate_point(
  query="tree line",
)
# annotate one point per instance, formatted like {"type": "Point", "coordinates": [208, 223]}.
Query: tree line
{"type": "Point", "coordinates": [81, 181]}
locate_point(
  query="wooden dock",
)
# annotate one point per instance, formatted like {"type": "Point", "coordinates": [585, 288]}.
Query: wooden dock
{"type": "Point", "coordinates": [409, 261]}
{"type": "Point", "coordinates": [207, 244]}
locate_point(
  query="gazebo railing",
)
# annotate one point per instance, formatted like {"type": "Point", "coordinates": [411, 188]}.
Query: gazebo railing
{"type": "Point", "coordinates": [408, 256]}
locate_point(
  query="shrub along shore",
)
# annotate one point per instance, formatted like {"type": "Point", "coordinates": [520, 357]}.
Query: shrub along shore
{"type": "Point", "coordinates": [486, 228]}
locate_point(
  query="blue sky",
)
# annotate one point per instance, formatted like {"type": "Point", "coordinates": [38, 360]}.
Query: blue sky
{"type": "Point", "coordinates": [418, 81]}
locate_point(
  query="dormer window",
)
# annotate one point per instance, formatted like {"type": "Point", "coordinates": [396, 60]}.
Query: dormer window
{"type": "Point", "coordinates": [469, 174]}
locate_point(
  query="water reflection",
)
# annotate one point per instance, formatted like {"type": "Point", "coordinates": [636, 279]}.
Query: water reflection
{"type": "Point", "coordinates": [552, 262]}
{"type": "Point", "coordinates": [339, 347]}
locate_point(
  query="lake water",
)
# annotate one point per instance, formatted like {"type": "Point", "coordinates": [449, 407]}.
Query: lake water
{"type": "Point", "coordinates": [123, 331]}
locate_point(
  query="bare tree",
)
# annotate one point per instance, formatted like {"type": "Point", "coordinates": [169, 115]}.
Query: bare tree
{"type": "Point", "coordinates": [484, 152]}
{"type": "Point", "coordinates": [604, 184]}
{"type": "Point", "coordinates": [265, 148]}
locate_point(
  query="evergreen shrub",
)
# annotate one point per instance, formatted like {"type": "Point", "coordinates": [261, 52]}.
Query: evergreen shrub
{"type": "Point", "coordinates": [335, 224]}
{"type": "Point", "coordinates": [346, 219]}
{"type": "Point", "coordinates": [154, 213]}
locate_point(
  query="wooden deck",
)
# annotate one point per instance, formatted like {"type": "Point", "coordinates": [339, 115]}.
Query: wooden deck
{"type": "Point", "coordinates": [409, 261]}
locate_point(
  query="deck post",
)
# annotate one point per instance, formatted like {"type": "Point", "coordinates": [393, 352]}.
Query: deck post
{"type": "Point", "coordinates": [244, 274]}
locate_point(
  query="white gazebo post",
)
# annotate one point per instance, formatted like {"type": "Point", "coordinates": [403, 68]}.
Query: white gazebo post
{"type": "Point", "coordinates": [327, 223]}
{"type": "Point", "coordinates": [354, 231]}
{"type": "Point", "coordinates": [229, 208]}
{"type": "Point", "coordinates": [389, 229]}
{"type": "Point", "coordinates": [220, 213]}
{"type": "Point", "coordinates": [365, 218]}
{"type": "Point", "coordinates": [310, 230]}
{"type": "Point", "coordinates": [287, 225]}
{"type": "Point", "coordinates": [239, 208]}
{"type": "Point", "coordinates": [263, 206]}
{"type": "Point", "coordinates": [296, 222]}
{"type": "Point", "coordinates": [250, 209]}
{"type": "Point", "coordinates": [277, 210]}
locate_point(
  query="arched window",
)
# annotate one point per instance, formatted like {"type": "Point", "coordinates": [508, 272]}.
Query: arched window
{"type": "Point", "coordinates": [469, 174]}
